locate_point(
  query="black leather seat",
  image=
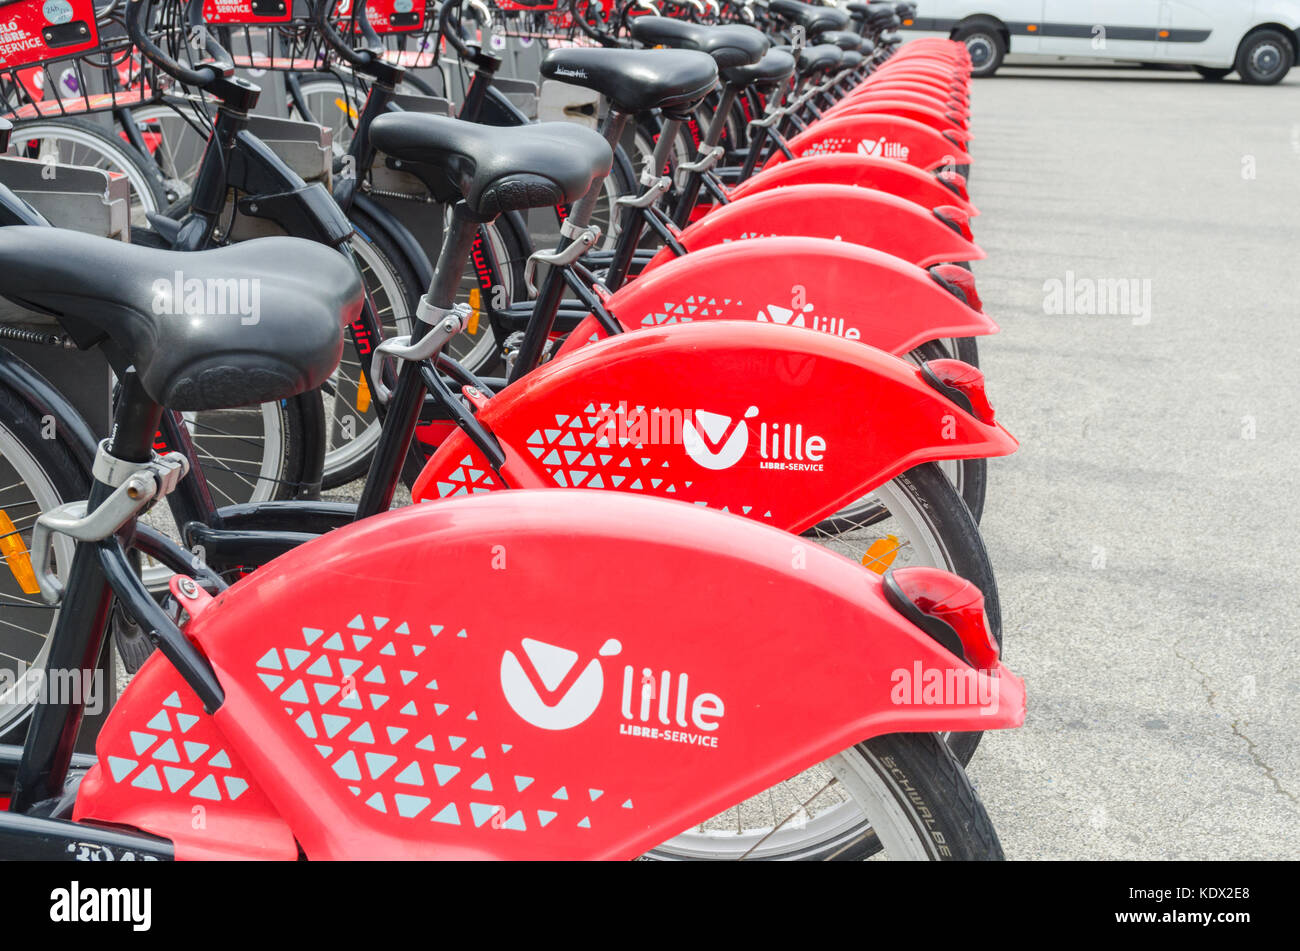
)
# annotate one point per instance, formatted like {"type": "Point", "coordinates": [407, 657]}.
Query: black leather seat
{"type": "Point", "coordinates": [823, 58]}
{"type": "Point", "coordinates": [776, 66]}
{"type": "Point", "coordinates": [495, 169]}
{"type": "Point", "coordinates": [850, 59]}
{"type": "Point", "coordinates": [881, 18]}
{"type": "Point", "coordinates": [732, 45]}
{"type": "Point", "coordinates": [636, 80]}
{"type": "Point", "coordinates": [844, 39]}
{"type": "Point", "coordinates": [814, 19]}
{"type": "Point", "coordinates": [250, 323]}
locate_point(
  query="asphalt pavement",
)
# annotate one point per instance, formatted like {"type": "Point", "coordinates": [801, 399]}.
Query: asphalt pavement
{"type": "Point", "coordinates": [1145, 534]}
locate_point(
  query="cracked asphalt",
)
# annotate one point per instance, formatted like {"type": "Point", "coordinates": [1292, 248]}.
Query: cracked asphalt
{"type": "Point", "coordinates": [1145, 533]}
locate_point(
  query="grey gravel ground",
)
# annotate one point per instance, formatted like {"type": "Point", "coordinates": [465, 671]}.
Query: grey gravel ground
{"type": "Point", "coordinates": [1145, 533]}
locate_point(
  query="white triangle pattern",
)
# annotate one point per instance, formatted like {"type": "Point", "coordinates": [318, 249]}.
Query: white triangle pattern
{"type": "Point", "coordinates": [401, 773]}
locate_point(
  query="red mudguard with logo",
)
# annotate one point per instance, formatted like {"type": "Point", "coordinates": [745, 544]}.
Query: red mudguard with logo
{"type": "Point", "coordinates": [380, 703]}
{"type": "Point", "coordinates": [781, 424]}
{"type": "Point", "coordinates": [947, 124]}
{"type": "Point", "coordinates": [873, 219]}
{"type": "Point", "coordinates": [915, 93]}
{"type": "Point", "coordinates": [891, 137]}
{"type": "Point", "coordinates": [845, 168]}
{"type": "Point", "coordinates": [838, 288]}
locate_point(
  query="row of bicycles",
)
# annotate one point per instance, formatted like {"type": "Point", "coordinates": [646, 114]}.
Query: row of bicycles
{"type": "Point", "coordinates": [701, 453]}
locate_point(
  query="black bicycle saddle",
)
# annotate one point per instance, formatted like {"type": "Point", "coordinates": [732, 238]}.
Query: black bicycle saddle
{"type": "Point", "coordinates": [250, 323]}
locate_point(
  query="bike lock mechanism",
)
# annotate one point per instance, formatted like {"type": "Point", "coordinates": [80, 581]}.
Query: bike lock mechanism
{"type": "Point", "coordinates": [584, 239]}
{"type": "Point", "coordinates": [655, 186]}
{"type": "Point", "coordinates": [446, 323]}
{"type": "Point", "coordinates": [709, 157]}
{"type": "Point", "coordinates": [136, 484]}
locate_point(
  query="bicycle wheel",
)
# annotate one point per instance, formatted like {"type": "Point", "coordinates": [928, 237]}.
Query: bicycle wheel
{"type": "Point", "coordinates": [333, 104]}
{"type": "Point", "coordinates": [607, 215]}
{"type": "Point", "coordinates": [248, 454]}
{"type": "Point", "coordinates": [904, 796]}
{"type": "Point", "coordinates": [917, 519]}
{"type": "Point", "coordinates": [352, 424]}
{"type": "Point", "coordinates": [81, 142]}
{"type": "Point", "coordinates": [172, 131]}
{"type": "Point", "coordinates": [36, 475]}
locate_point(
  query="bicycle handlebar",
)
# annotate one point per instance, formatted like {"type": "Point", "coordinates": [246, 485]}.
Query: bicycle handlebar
{"type": "Point", "coordinates": [200, 77]}
{"type": "Point", "coordinates": [356, 57]}
{"type": "Point", "coordinates": [454, 37]}
{"type": "Point", "coordinates": [600, 36]}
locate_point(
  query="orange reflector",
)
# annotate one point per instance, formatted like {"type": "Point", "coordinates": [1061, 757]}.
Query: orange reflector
{"type": "Point", "coordinates": [881, 554]}
{"type": "Point", "coordinates": [363, 395]}
{"type": "Point", "coordinates": [345, 106]}
{"type": "Point", "coordinates": [907, 23]}
{"type": "Point", "coordinates": [1032, 28]}
{"type": "Point", "coordinates": [1164, 34]}
{"type": "Point", "coordinates": [16, 557]}
{"type": "Point", "coordinates": [475, 301]}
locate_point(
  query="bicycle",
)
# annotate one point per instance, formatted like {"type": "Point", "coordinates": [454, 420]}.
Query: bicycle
{"type": "Point", "coordinates": [229, 542]}
{"type": "Point", "coordinates": [221, 677]}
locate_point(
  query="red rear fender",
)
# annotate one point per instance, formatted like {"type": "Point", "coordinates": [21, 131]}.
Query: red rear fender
{"type": "Point", "coordinates": [898, 91]}
{"type": "Point", "coordinates": [946, 124]}
{"type": "Point", "coordinates": [868, 217]}
{"type": "Point", "coordinates": [555, 675]}
{"type": "Point", "coordinates": [891, 137]}
{"type": "Point", "coordinates": [779, 423]}
{"type": "Point", "coordinates": [847, 168]}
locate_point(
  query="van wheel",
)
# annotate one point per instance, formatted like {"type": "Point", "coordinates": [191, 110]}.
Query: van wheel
{"type": "Point", "coordinates": [986, 46]}
{"type": "Point", "coordinates": [1265, 58]}
{"type": "Point", "coordinates": [1212, 74]}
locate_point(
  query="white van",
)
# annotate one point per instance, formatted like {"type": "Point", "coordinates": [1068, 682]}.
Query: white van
{"type": "Point", "coordinates": [1256, 38]}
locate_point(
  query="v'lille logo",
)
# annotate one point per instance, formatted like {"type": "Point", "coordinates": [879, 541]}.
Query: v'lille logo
{"type": "Point", "coordinates": [880, 148]}
{"type": "Point", "coordinates": [548, 689]}
{"type": "Point", "coordinates": [716, 441]}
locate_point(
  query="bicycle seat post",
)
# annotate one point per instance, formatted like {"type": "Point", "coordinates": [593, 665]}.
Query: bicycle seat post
{"type": "Point", "coordinates": [403, 412]}
{"type": "Point", "coordinates": [79, 633]}
{"type": "Point", "coordinates": [635, 214]}
{"type": "Point", "coordinates": [551, 294]}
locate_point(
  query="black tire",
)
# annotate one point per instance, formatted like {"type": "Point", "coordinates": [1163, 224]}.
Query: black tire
{"type": "Point", "coordinates": [934, 788]}
{"type": "Point", "coordinates": [116, 155]}
{"type": "Point", "coordinates": [914, 784]}
{"type": "Point", "coordinates": [1265, 57]}
{"type": "Point", "coordinates": [986, 45]}
{"type": "Point", "coordinates": [62, 480]}
{"type": "Point", "coordinates": [1213, 74]}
